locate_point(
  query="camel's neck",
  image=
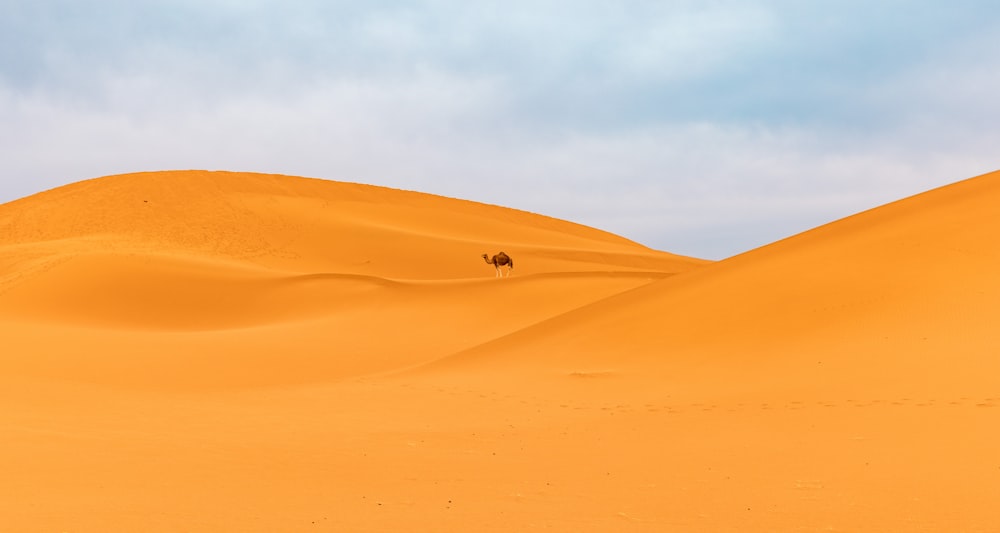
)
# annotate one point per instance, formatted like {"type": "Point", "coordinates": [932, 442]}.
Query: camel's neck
{"type": "Point", "coordinates": [490, 261]}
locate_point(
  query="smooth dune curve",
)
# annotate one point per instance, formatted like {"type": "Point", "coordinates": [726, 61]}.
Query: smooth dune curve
{"type": "Point", "coordinates": [842, 379]}
{"type": "Point", "coordinates": [914, 280]}
{"type": "Point", "coordinates": [195, 271]}
{"type": "Point", "coordinates": [210, 351]}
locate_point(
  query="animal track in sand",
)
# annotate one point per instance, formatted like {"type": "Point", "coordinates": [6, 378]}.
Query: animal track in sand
{"type": "Point", "coordinates": [590, 375]}
{"type": "Point", "coordinates": [799, 405]}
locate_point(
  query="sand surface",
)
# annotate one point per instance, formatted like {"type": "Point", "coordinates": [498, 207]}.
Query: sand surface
{"type": "Point", "coordinates": [211, 351]}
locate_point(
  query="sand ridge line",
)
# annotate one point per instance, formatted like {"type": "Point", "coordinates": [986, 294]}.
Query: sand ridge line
{"type": "Point", "coordinates": [840, 380]}
{"type": "Point", "coordinates": [806, 303]}
{"type": "Point", "coordinates": [294, 223]}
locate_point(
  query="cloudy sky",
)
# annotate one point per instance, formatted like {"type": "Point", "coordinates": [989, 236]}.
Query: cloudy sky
{"type": "Point", "coordinates": [704, 127]}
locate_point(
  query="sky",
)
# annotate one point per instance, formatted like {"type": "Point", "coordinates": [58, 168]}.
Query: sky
{"type": "Point", "coordinates": [705, 128]}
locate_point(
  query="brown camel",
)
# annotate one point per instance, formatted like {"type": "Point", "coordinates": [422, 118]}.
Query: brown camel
{"type": "Point", "coordinates": [499, 260]}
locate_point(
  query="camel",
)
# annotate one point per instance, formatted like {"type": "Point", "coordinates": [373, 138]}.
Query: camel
{"type": "Point", "coordinates": [499, 260]}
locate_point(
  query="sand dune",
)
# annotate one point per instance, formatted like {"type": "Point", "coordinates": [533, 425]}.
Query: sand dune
{"type": "Point", "coordinates": [224, 351]}
{"type": "Point", "coordinates": [307, 226]}
{"type": "Point", "coordinates": [913, 282]}
{"type": "Point", "coordinates": [309, 279]}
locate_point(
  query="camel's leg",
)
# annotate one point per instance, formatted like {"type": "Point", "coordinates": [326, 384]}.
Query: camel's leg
{"type": "Point", "coordinates": [499, 275]}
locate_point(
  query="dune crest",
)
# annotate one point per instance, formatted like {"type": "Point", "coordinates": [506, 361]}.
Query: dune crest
{"type": "Point", "coordinates": [211, 351]}
{"type": "Point", "coordinates": [913, 280]}
{"type": "Point", "coordinates": [209, 250]}
{"type": "Point", "coordinates": [186, 265]}
{"type": "Point", "coordinates": [306, 225]}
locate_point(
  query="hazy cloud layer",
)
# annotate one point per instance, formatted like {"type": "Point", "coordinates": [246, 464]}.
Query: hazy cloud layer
{"type": "Point", "coordinates": [705, 128]}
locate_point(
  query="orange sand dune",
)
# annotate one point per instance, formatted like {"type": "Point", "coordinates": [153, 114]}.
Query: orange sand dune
{"type": "Point", "coordinates": [219, 351]}
{"type": "Point", "coordinates": [842, 379]}
{"type": "Point", "coordinates": [304, 225]}
{"type": "Point", "coordinates": [280, 273]}
{"type": "Point", "coordinates": [907, 289]}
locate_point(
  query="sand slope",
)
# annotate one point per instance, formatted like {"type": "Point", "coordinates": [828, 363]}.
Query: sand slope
{"type": "Point", "coordinates": [842, 379]}
{"type": "Point", "coordinates": [224, 351]}
{"type": "Point", "coordinates": [907, 290]}
{"type": "Point", "coordinates": [310, 278]}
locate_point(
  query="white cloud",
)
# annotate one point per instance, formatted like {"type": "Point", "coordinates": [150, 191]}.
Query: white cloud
{"type": "Point", "coordinates": [700, 130]}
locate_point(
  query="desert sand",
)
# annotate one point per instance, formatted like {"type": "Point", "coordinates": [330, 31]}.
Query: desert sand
{"type": "Point", "coordinates": [214, 351]}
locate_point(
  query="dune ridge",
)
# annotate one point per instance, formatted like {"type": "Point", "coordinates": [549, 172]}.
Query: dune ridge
{"type": "Point", "coordinates": [915, 276]}
{"type": "Point", "coordinates": [296, 224]}
{"type": "Point", "coordinates": [212, 351]}
{"type": "Point", "coordinates": [160, 261]}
